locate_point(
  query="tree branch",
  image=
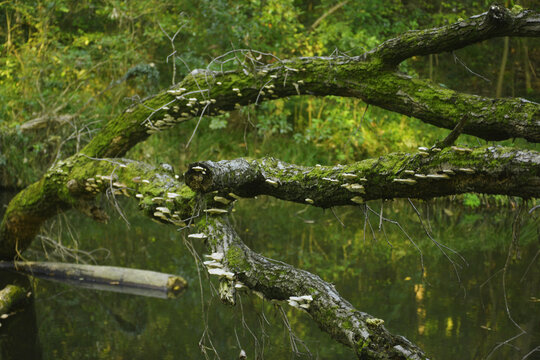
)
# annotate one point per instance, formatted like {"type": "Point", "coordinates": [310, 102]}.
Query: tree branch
{"type": "Point", "coordinates": [207, 93]}
{"type": "Point", "coordinates": [239, 267]}
{"type": "Point", "coordinates": [454, 170]}
{"type": "Point", "coordinates": [496, 22]}
{"type": "Point", "coordinates": [80, 179]}
{"type": "Point", "coordinates": [368, 77]}
{"type": "Point", "coordinates": [327, 13]}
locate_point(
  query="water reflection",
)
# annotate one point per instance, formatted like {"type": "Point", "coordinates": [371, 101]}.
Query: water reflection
{"type": "Point", "coordinates": [372, 263]}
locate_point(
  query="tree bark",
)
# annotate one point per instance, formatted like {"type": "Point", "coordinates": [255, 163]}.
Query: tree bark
{"type": "Point", "coordinates": [426, 174]}
{"type": "Point", "coordinates": [498, 21]}
{"type": "Point", "coordinates": [279, 282]}
{"type": "Point", "coordinates": [76, 181]}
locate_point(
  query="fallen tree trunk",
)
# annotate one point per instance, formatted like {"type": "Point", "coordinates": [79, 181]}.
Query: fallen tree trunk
{"type": "Point", "coordinates": [425, 174]}
{"type": "Point", "coordinates": [106, 278]}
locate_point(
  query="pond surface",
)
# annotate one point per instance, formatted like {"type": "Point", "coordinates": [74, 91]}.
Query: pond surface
{"type": "Point", "coordinates": [456, 309]}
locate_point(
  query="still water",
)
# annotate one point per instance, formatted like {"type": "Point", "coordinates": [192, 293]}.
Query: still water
{"type": "Point", "coordinates": [456, 309]}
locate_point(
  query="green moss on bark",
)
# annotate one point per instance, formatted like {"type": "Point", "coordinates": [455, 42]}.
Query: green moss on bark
{"type": "Point", "coordinates": [236, 259]}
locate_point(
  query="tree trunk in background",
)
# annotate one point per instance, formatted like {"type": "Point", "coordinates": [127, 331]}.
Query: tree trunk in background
{"type": "Point", "coordinates": [500, 79]}
{"type": "Point", "coordinates": [526, 65]}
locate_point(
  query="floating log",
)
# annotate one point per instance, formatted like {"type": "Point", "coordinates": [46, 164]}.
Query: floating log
{"type": "Point", "coordinates": [107, 278]}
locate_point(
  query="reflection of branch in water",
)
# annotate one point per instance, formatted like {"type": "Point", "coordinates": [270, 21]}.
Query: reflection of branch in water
{"type": "Point", "coordinates": [246, 326]}
{"type": "Point", "coordinates": [337, 217]}
{"type": "Point", "coordinates": [130, 315]}
{"type": "Point", "coordinates": [529, 267]}
{"type": "Point", "coordinates": [483, 284]}
{"type": "Point", "coordinates": [394, 222]}
{"type": "Point", "coordinates": [307, 221]}
{"type": "Point", "coordinates": [61, 225]}
{"type": "Point", "coordinates": [516, 230]}
{"type": "Point", "coordinates": [536, 349]}
{"type": "Point", "coordinates": [442, 247]}
{"type": "Point", "coordinates": [205, 337]}
{"type": "Point", "coordinates": [66, 252]}
{"type": "Point", "coordinates": [293, 338]}
{"type": "Point", "coordinates": [368, 222]}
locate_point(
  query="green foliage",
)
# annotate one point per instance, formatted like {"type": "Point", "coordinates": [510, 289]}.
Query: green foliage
{"type": "Point", "coordinates": [218, 122]}
{"type": "Point", "coordinates": [91, 59]}
{"type": "Point", "coordinates": [274, 118]}
{"type": "Point", "coordinates": [471, 200]}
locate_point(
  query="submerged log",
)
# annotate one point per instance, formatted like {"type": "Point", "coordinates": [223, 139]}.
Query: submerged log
{"type": "Point", "coordinates": [107, 278]}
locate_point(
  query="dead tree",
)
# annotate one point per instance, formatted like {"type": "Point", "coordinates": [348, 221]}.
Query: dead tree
{"type": "Point", "coordinates": [210, 188]}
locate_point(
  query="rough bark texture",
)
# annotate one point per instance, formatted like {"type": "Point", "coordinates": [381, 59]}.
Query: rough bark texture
{"type": "Point", "coordinates": [76, 181]}
{"type": "Point", "coordinates": [426, 174]}
{"type": "Point", "coordinates": [277, 281]}
{"type": "Point", "coordinates": [496, 22]}
{"type": "Point", "coordinates": [490, 119]}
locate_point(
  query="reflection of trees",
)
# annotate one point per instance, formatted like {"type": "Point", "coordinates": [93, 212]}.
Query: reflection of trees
{"type": "Point", "coordinates": [355, 276]}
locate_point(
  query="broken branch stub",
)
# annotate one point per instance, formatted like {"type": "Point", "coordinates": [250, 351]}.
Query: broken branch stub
{"type": "Point", "coordinates": [10, 297]}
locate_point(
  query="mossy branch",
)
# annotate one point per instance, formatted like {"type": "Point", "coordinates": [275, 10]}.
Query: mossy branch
{"type": "Point", "coordinates": [10, 297]}
{"type": "Point", "coordinates": [368, 77]}
{"type": "Point", "coordinates": [208, 93]}
{"type": "Point", "coordinates": [78, 180]}
{"type": "Point", "coordinates": [425, 174]}
{"type": "Point", "coordinates": [496, 22]}
{"type": "Point", "coordinates": [239, 267]}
